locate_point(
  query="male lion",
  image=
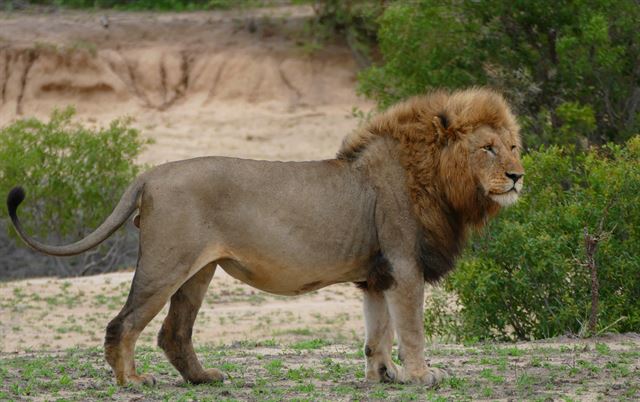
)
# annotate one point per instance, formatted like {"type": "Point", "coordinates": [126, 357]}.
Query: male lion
{"type": "Point", "coordinates": [389, 213]}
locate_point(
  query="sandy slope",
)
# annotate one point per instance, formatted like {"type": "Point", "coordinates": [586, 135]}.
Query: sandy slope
{"type": "Point", "coordinates": [230, 83]}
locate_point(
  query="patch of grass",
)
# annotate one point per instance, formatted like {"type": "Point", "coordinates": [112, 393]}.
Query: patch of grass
{"type": "Point", "coordinates": [589, 366]}
{"type": "Point", "coordinates": [525, 381]}
{"type": "Point", "coordinates": [310, 344]}
{"type": "Point", "coordinates": [603, 348]}
{"type": "Point", "coordinates": [499, 362]}
{"type": "Point", "coordinates": [491, 376]}
{"type": "Point", "coordinates": [294, 331]}
{"type": "Point", "coordinates": [274, 367]}
{"type": "Point", "coordinates": [298, 374]}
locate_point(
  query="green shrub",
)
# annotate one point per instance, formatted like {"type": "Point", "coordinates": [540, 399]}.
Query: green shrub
{"type": "Point", "coordinates": [424, 45]}
{"type": "Point", "coordinates": [354, 20]}
{"type": "Point", "coordinates": [73, 175]}
{"type": "Point", "coordinates": [550, 58]}
{"type": "Point", "coordinates": [524, 275]}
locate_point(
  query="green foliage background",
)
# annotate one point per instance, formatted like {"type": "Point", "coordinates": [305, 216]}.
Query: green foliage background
{"type": "Point", "coordinates": [571, 68]}
{"type": "Point", "coordinates": [67, 170]}
{"type": "Point", "coordinates": [524, 276]}
{"type": "Point", "coordinates": [572, 71]}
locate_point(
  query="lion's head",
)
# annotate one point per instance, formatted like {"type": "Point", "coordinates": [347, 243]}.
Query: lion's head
{"type": "Point", "coordinates": [479, 148]}
{"type": "Point", "coordinates": [461, 152]}
{"type": "Point", "coordinates": [463, 145]}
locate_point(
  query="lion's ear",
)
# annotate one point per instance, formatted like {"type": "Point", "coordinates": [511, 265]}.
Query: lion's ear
{"type": "Point", "coordinates": [442, 126]}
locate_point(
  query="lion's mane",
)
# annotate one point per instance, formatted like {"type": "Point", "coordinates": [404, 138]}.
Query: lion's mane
{"type": "Point", "coordinates": [440, 183]}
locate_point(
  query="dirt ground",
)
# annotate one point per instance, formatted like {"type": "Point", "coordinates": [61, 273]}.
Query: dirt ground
{"type": "Point", "coordinates": [241, 83]}
{"type": "Point", "coordinates": [278, 348]}
{"type": "Point", "coordinates": [54, 314]}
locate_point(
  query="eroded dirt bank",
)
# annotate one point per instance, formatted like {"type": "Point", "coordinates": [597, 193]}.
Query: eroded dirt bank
{"type": "Point", "coordinates": [232, 83]}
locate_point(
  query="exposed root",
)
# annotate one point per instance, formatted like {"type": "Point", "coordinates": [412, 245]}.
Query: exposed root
{"type": "Point", "coordinates": [288, 83]}
{"type": "Point", "coordinates": [216, 81]}
{"type": "Point", "coordinates": [132, 77]}
{"type": "Point", "coordinates": [163, 80]}
{"type": "Point", "coordinates": [31, 58]}
{"type": "Point", "coordinates": [183, 85]}
{"type": "Point", "coordinates": [7, 60]}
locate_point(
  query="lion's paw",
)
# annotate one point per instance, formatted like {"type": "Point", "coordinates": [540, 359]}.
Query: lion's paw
{"type": "Point", "coordinates": [142, 379]}
{"type": "Point", "coordinates": [208, 376]}
{"type": "Point", "coordinates": [431, 377]}
{"type": "Point", "coordinates": [386, 372]}
{"type": "Point", "coordinates": [214, 375]}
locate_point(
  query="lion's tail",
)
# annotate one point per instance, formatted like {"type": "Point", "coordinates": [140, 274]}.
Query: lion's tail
{"type": "Point", "coordinates": [126, 206]}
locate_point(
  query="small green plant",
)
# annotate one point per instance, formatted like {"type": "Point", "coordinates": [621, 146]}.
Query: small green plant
{"type": "Point", "coordinates": [274, 367]}
{"type": "Point", "coordinates": [310, 344]}
{"type": "Point", "coordinates": [73, 177]}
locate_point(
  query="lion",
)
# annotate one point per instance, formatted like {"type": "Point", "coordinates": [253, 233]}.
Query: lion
{"type": "Point", "coordinates": [390, 213]}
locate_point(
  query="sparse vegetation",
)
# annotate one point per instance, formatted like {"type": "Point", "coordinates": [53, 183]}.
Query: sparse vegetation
{"type": "Point", "coordinates": [334, 372]}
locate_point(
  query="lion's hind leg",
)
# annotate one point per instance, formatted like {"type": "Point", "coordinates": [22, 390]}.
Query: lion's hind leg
{"type": "Point", "coordinates": [175, 336]}
{"type": "Point", "coordinates": [149, 292]}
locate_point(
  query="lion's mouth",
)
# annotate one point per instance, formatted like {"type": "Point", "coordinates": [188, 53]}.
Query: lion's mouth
{"type": "Point", "coordinates": [505, 198]}
{"type": "Point", "coordinates": [512, 190]}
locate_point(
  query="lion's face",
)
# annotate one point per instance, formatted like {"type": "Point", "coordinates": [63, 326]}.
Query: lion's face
{"type": "Point", "coordinates": [494, 160]}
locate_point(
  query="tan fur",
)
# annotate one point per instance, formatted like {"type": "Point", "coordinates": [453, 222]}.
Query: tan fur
{"type": "Point", "coordinates": [391, 212]}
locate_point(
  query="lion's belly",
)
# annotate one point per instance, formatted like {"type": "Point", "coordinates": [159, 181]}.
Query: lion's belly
{"type": "Point", "coordinates": [281, 279]}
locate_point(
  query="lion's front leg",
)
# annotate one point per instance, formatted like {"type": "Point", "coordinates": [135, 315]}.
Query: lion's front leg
{"type": "Point", "coordinates": [405, 302]}
{"type": "Point", "coordinates": [378, 339]}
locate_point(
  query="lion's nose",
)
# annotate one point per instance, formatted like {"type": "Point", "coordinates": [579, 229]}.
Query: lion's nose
{"type": "Point", "coordinates": [514, 176]}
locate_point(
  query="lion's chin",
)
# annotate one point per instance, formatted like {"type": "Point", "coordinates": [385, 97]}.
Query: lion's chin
{"type": "Point", "coordinates": [505, 199]}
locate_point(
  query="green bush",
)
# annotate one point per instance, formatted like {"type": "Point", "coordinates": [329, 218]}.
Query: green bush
{"type": "Point", "coordinates": [424, 45]}
{"type": "Point", "coordinates": [73, 175]}
{"type": "Point", "coordinates": [524, 275]}
{"type": "Point", "coordinates": [354, 20]}
{"type": "Point", "coordinates": [551, 58]}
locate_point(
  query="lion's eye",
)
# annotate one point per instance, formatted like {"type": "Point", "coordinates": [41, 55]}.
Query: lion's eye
{"type": "Point", "coordinates": [489, 148]}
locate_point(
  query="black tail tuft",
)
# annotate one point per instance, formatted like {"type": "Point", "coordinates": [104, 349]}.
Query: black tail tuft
{"type": "Point", "coordinates": [14, 199]}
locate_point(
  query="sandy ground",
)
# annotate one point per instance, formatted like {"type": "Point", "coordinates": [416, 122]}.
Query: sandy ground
{"type": "Point", "coordinates": [234, 83]}
{"type": "Point", "coordinates": [54, 314]}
